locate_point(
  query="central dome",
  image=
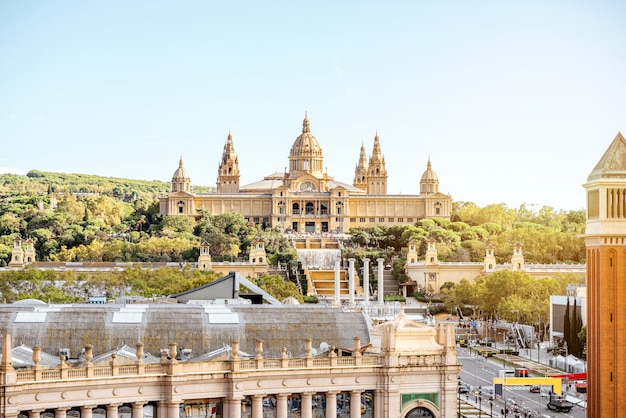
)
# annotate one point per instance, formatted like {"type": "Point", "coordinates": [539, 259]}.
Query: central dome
{"type": "Point", "coordinates": [306, 144]}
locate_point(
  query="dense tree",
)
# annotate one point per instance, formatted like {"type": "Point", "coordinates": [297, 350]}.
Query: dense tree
{"type": "Point", "coordinates": [278, 287]}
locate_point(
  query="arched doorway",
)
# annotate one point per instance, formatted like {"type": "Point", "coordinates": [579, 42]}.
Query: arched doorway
{"type": "Point", "coordinates": [420, 412]}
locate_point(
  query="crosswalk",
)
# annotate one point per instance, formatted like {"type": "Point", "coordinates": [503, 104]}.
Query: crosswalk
{"type": "Point", "coordinates": [470, 411]}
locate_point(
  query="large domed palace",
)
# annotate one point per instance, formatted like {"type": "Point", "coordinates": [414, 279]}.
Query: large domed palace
{"type": "Point", "coordinates": [307, 199]}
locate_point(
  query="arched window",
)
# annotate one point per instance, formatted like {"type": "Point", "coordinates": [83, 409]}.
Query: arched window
{"type": "Point", "coordinates": [295, 209]}
{"type": "Point", "coordinates": [309, 208]}
{"type": "Point", "coordinates": [420, 412]}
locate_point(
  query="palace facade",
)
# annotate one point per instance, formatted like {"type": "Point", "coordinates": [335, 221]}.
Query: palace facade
{"type": "Point", "coordinates": [305, 198]}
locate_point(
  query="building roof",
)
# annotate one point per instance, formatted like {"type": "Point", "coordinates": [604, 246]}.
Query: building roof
{"type": "Point", "coordinates": [199, 327]}
{"type": "Point", "coordinates": [613, 162]}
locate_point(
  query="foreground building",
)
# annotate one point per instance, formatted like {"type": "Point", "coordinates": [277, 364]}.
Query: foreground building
{"type": "Point", "coordinates": [605, 238]}
{"type": "Point", "coordinates": [400, 368]}
{"type": "Point", "coordinates": [305, 198]}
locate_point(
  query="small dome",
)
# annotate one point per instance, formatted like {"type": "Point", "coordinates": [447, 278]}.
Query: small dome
{"type": "Point", "coordinates": [180, 173]}
{"type": "Point", "coordinates": [290, 300]}
{"type": "Point", "coordinates": [306, 143]}
{"type": "Point", "coordinates": [429, 174]}
{"type": "Point", "coordinates": [29, 302]}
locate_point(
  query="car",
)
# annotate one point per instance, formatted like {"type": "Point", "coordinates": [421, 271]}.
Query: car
{"type": "Point", "coordinates": [535, 389]}
{"type": "Point", "coordinates": [463, 389]}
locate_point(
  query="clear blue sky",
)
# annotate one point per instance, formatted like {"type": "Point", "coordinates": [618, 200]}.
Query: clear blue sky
{"type": "Point", "coordinates": [513, 101]}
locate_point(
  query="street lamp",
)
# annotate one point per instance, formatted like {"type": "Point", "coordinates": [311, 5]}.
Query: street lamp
{"type": "Point", "coordinates": [459, 398]}
{"type": "Point", "coordinates": [491, 408]}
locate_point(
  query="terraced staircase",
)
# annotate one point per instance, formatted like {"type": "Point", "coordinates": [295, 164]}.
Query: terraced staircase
{"type": "Point", "coordinates": [324, 282]}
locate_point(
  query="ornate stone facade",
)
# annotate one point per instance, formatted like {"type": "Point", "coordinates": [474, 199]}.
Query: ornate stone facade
{"type": "Point", "coordinates": [305, 198]}
{"type": "Point", "coordinates": [410, 369]}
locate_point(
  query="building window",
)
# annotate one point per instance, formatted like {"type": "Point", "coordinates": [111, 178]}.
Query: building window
{"type": "Point", "coordinates": [409, 219]}
{"type": "Point", "coordinates": [256, 219]}
{"type": "Point", "coordinates": [437, 211]}
{"type": "Point", "coordinates": [266, 220]}
{"type": "Point", "coordinates": [390, 219]}
{"type": "Point", "coordinates": [400, 219]}
{"type": "Point", "coordinates": [372, 220]}
{"type": "Point", "coordinates": [381, 220]}
{"type": "Point", "coordinates": [295, 209]}
{"type": "Point", "coordinates": [361, 219]}
{"type": "Point", "coordinates": [309, 208]}
{"type": "Point", "coordinates": [339, 208]}
{"type": "Point", "coordinates": [352, 219]}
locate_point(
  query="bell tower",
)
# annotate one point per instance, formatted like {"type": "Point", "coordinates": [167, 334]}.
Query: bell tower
{"type": "Point", "coordinates": [376, 171]}
{"type": "Point", "coordinates": [228, 172]}
{"type": "Point", "coordinates": [605, 241]}
{"type": "Point", "coordinates": [360, 172]}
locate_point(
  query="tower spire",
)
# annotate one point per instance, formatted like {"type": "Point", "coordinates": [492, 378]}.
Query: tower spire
{"type": "Point", "coordinates": [360, 172]}
{"type": "Point", "coordinates": [228, 171]}
{"type": "Point", "coordinates": [377, 172]}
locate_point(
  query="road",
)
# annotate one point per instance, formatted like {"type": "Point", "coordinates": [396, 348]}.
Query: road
{"type": "Point", "coordinates": [478, 372]}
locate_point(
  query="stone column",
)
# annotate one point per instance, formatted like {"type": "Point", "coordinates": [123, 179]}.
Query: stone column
{"type": "Point", "coordinates": [337, 279]}
{"type": "Point", "coordinates": [137, 409]}
{"type": "Point", "coordinates": [172, 409]}
{"type": "Point", "coordinates": [306, 405]}
{"type": "Point", "coordinates": [366, 280]}
{"type": "Point", "coordinates": [355, 404]}
{"type": "Point", "coordinates": [233, 409]}
{"type": "Point", "coordinates": [60, 412]}
{"type": "Point", "coordinates": [112, 410]}
{"type": "Point", "coordinates": [351, 280]}
{"type": "Point", "coordinates": [331, 404]}
{"type": "Point", "coordinates": [379, 402]}
{"type": "Point", "coordinates": [281, 405]}
{"type": "Point", "coordinates": [257, 406]}
{"type": "Point", "coordinates": [87, 411]}
{"type": "Point", "coordinates": [161, 409]}
{"type": "Point", "coordinates": [381, 284]}
{"type": "Point", "coordinates": [35, 413]}
{"type": "Point", "coordinates": [10, 415]}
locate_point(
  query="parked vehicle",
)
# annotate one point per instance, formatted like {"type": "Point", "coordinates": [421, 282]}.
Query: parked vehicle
{"type": "Point", "coordinates": [535, 389]}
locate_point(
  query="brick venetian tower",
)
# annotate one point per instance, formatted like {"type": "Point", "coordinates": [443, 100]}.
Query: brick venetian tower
{"type": "Point", "coordinates": [605, 240]}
